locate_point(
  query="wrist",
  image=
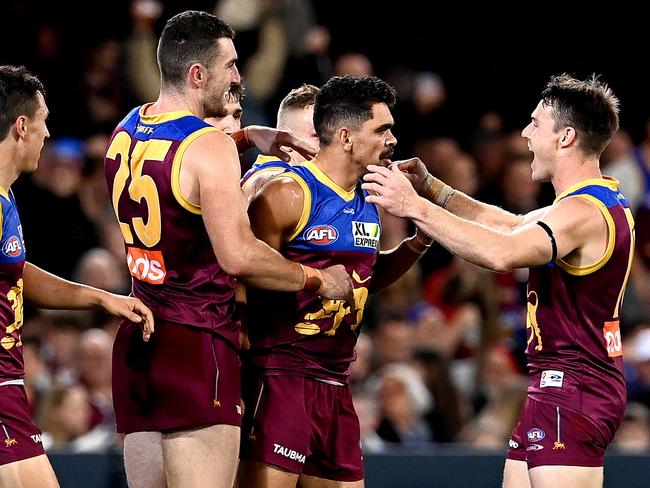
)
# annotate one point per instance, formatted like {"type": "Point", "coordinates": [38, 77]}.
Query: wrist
{"type": "Point", "coordinates": [436, 191]}
{"type": "Point", "coordinates": [419, 243]}
{"type": "Point", "coordinates": [312, 279]}
{"type": "Point", "coordinates": [242, 139]}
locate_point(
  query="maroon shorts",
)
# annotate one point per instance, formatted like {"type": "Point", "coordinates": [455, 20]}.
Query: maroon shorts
{"type": "Point", "coordinates": [19, 437]}
{"type": "Point", "coordinates": [182, 378]}
{"type": "Point", "coordinates": [547, 434]}
{"type": "Point", "coordinates": [302, 425]}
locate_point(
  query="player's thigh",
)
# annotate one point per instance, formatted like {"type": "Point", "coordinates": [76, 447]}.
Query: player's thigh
{"type": "Point", "coordinates": [573, 476]}
{"type": "Point", "coordinates": [515, 474]}
{"type": "Point", "coordinates": [202, 457]}
{"type": "Point", "coordinates": [255, 474]}
{"type": "Point", "coordinates": [307, 481]}
{"type": "Point", "coordinates": [34, 472]}
{"type": "Point", "coordinates": [143, 460]}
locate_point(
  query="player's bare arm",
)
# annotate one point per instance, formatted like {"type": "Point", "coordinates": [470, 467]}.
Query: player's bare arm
{"type": "Point", "coordinates": [210, 176]}
{"type": "Point", "coordinates": [456, 201]}
{"type": "Point", "coordinates": [570, 222]}
{"type": "Point", "coordinates": [272, 141]}
{"type": "Point", "coordinates": [393, 263]}
{"type": "Point", "coordinates": [275, 214]}
{"type": "Point", "coordinates": [45, 290]}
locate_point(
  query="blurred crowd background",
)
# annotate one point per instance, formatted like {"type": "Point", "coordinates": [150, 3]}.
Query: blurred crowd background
{"type": "Point", "coordinates": [440, 358]}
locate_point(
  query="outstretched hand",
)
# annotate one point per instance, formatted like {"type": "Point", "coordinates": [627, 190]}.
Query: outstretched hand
{"type": "Point", "coordinates": [131, 309]}
{"type": "Point", "coordinates": [272, 141]}
{"type": "Point", "coordinates": [390, 188]}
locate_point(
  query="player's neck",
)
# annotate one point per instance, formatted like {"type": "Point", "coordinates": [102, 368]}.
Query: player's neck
{"type": "Point", "coordinates": [341, 174]}
{"type": "Point", "coordinates": [9, 170]}
{"type": "Point", "coordinates": [170, 101]}
{"type": "Point", "coordinates": [568, 175]}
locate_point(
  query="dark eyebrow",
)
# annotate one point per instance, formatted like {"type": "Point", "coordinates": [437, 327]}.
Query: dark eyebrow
{"type": "Point", "coordinates": [384, 127]}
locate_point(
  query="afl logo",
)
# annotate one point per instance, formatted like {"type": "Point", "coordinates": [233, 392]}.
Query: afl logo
{"type": "Point", "coordinates": [321, 235]}
{"type": "Point", "coordinates": [535, 435]}
{"type": "Point", "coordinates": [12, 247]}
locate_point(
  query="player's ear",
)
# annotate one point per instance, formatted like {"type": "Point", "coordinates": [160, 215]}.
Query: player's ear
{"type": "Point", "coordinates": [21, 126]}
{"type": "Point", "coordinates": [196, 74]}
{"type": "Point", "coordinates": [344, 138]}
{"type": "Point", "coordinates": [569, 135]}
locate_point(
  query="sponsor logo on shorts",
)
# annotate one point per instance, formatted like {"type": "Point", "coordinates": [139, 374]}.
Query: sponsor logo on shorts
{"type": "Point", "coordinates": [37, 438]}
{"type": "Point", "coordinates": [238, 408]}
{"type": "Point", "coordinates": [513, 444]}
{"type": "Point", "coordinates": [534, 447]}
{"type": "Point", "coordinates": [535, 435]}
{"type": "Point", "coordinates": [551, 378]}
{"type": "Point", "coordinates": [288, 453]}
{"type": "Point", "coordinates": [321, 235]}
{"type": "Point", "coordinates": [12, 247]}
{"type": "Point", "coordinates": [146, 265]}
{"type": "Point", "coordinates": [366, 234]}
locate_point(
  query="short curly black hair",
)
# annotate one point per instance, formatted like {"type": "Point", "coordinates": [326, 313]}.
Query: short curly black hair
{"type": "Point", "coordinates": [348, 100]}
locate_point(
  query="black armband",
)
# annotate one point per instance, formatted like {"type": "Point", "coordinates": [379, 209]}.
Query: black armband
{"type": "Point", "coordinates": [548, 230]}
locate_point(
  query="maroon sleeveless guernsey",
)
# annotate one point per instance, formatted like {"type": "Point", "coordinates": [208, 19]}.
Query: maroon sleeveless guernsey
{"type": "Point", "coordinates": [301, 333]}
{"type": "Point", "coordinates": [575, 355]}
{"type": "Point", "coordinates": [168, 251]}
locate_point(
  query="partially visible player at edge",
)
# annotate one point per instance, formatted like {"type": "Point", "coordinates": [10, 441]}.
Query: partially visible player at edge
{"type": "Point", "coordinates": [296, 115]}
{"type": "Point", "coordinates": [174, 184]}
{"type": "Point", "coordinates": [579, 251]}
{"type": "Point", "coordinates": [23, 129]}
{"type": "Point", "coordinates": [300, 425]}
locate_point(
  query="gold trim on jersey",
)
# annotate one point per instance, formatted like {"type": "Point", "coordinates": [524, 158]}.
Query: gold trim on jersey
{"type": "Point", "coordinates": [176, 170]}
{"type": "Point", "coordinates": [611, 228]}
{"type": "Point", "coordinates": [263, 158]}
{"type": "Point", "coordinates": [160, 118]}
{"type": "Point", "coordinates": [606, 181]}
{"type": "Point", "coordinates": [306, 203]}
{"type": "Point", "coordinates": [621, 294]}
{"type": "Point", "coordinates": [4, 193]}
{"type": "Point", "coordinates": [348, 196]}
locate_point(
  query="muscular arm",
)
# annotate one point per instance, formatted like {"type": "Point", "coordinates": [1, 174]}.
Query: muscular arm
{"type": "Point", "coordinates": [578, 227]}
{"type": "Point", "coordinates": [212, 160]}
{"type": "Point", "coordinates": [392, 264]}
{"type": "Point", "coordinates": [45, 290]}
{"type": "Point", "coordinates": [275, 211]}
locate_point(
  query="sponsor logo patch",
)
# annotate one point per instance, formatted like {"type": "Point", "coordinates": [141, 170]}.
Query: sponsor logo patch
{"type": "Point", "coordinates": [513, 444]}
{"type": "Point", "coordinates": [551, 378]}
{"type": "Point", "coordinates": [612, 333]}
{"type": "Point", "coordinates": [535, 435]}
{"type": "Point", "coordinates": [146, 265]}
{"type": "Point", "coordinates": [366, 234]}
{"type": "Point", "coordinates": [288, 453]}
{"type": "Point", "coordinates": [534, 447]}
{"type": "Point", "coordinates": [321, 235]}
{"type": "Point", "coordinates": [12, 247]}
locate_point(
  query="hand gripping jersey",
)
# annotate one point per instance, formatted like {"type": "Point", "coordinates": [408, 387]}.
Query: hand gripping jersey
{"type": "Point", "coordinates": [575, 355]}
{"type": "Point", "coordinates": [12, 263]}
{"type": "Point", "coordinates": [168, 251]}
{"type": "Point", "coordinates": [301, 333]}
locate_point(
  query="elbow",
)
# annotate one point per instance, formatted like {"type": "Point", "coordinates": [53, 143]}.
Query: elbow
{"type": "Point", "coordinates": [500, 263]}
{"type": "Point", "coordinates": [235, 265]}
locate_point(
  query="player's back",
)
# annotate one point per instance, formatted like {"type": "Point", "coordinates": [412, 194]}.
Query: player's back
{"type": "Point", "coordinates": [12, 262]}
{"type": "Point", "coordinates": [301, 333]}
{"type": "Point", "coordinates": [169, 254]}
{"type": "Point", "coordinates": [575, 355]}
